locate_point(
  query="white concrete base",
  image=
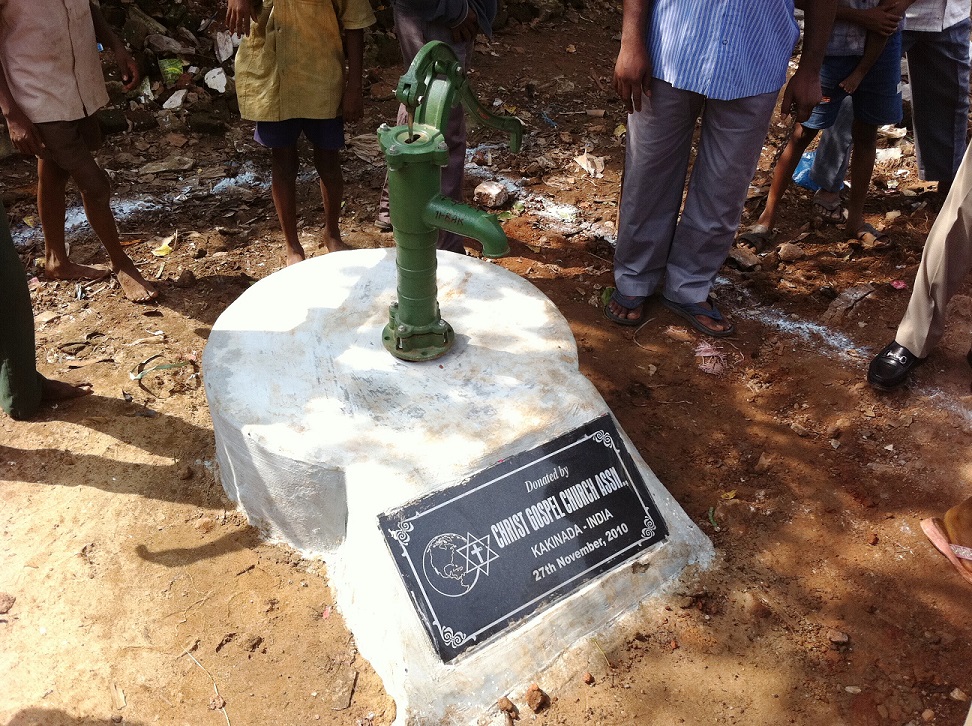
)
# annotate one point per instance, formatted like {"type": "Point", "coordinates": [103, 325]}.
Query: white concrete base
{"type": "Point", "coordinates": [319, 430]}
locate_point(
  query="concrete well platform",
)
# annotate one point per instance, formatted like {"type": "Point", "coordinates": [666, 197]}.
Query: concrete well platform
{"type": "Point", "coordinates": [319, 430]}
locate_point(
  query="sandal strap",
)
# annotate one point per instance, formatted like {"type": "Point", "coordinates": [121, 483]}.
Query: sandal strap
{"type": "Point", "coordinates": [712, 313]}
{"type": "Point", "coordinates": [627, 301]}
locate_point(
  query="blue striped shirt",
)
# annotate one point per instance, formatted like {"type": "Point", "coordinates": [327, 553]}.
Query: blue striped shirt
{"type": "Point", "coordinates": [723, 49]}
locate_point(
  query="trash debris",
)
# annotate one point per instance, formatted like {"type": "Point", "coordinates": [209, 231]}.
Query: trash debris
{"type": "Point", "coordinates": [176, 99]}
{"type": "Point", "coordinates": [491, 194]}
{"type": "Point", "coordinates": [165, 248]}
{"type": "Point", "coordinates": [593, 165]}
{"type": "Point", "coordinates": [892, 153]}
{"type": "Point", "coordinates": [744, 258]}
{"type": "Point", "coordinates": [173, 163]}
{"type": "Point", "coordinates": [790, 252]}
{"type": "Point", "coordinates": [216, 79]}
{"type": "Point", "coordinates": [845, 302]}
{"type": "Point", "coordinates": [366, 148]}
{"type": "Point", "coordinates": [899, 285]}
{"type": "Point", "coordinates": [224, 46]}
{"type": "Point", "coordinates": [712, 358]}
{"type": "Point", "coordinates": [171, 69]}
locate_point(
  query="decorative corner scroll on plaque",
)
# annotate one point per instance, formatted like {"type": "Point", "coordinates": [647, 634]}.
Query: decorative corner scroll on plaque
{"type": "Point", "coordinates": [521, 535]}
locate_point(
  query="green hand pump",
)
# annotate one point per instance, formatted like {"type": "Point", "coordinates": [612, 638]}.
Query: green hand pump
{"type": "Point", "coordinates": [415, 154]}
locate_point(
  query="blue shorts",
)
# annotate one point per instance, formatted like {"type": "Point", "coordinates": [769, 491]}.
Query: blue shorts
{"type": "Point", "coordinates": [324, 133]}
{"type": "Point", "coordinates": [877, 100]}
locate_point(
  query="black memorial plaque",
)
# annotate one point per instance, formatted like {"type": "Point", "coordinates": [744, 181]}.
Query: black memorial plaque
{"type": "Point", "coordinates": [521, 535]}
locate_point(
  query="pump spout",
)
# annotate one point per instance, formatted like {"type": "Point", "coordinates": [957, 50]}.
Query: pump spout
{"type": "Point", "coordinates": [444, 213]}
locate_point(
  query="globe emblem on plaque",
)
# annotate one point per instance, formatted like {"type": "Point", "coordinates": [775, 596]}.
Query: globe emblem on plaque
{"type": "Point", "coordinates": [452, 562]}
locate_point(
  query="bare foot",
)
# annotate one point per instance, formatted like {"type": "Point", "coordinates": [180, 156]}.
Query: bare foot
{"type": "Point", "coordinates": [716, 326]}
{"type": "Point", "coordinates": [334, 244]}
{"type": "Point", "coordinates": [72, 271]}
{"type": "Point", "coordinates": [135, 287]}
{"type": "Point", "coordinates": [52, 390]}
{"type": "Point", "coordinates": [292, 257]}
{"type": "Point", "coordinates": [619, 310]}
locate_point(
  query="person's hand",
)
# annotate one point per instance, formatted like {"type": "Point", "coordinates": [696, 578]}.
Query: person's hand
{"type": "Point", "coordinates": [467, 29]}
{"type": "Point", "coordinates": [352, 103]}
{"type": "Point", "coordinates": [632, 75]}
{"type": "Point", "coordinates": [23, 134]}
{"type": "Point", "coordinates": [802, 93]}
{"type": "Point", "coordinates": [883, 19]}
{"type": "Point", "coordinates": [239, 13]}
{"type": "Point", "coordinates": [127, 67]}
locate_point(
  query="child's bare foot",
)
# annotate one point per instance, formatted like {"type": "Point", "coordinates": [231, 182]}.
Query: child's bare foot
{"type": "Point", "coordinates": [52, 390]}
{"type": "Point", "coordinates": [293, 255]}
{"type": "Point", "coordinates": [334, 244]}
{"type": "Point", "coordinates": [135, 287]}
{"type": "Point", "coordinates": [72, 271]}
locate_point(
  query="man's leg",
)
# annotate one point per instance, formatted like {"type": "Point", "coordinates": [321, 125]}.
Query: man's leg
{"type": "Point", "coordinates": [945, 262]}
{"type": "Point", "coordinates": [938, 65]}
{"type": "Point", "coordinates": [659, 144]}
{"type": "Point", "coordinates": [413, 33]}
{"type": "Point", "coordinates": [20, 383]}
{"type": "Point", "coordinates": [732, 139]}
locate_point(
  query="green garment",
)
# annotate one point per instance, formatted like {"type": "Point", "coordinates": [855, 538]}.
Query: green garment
{"type": "Point", "coordinates": [20, 383]}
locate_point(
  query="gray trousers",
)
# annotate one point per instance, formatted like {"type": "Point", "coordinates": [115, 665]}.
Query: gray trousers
{"type": "Point", "coordinates": [938, 68]}
{"type": "Point", "coordinates": [653, 241]}
{"type": "Point", "coordinates": [945, 263]}
{"type": "Point", "coordinates": [413, 33]}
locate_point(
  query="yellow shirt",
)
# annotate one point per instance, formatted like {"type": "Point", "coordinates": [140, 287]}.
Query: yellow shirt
{"type": "Point", "coordinates": [291, 65]}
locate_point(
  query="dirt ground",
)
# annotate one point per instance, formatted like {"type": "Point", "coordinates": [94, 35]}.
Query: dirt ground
{"type": "Point", "coordinates": [143, 597]}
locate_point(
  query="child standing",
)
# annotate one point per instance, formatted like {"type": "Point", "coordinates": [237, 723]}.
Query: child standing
{"type": "Point", "coordinates": [861, 65]}
{"type": "Point", "coordinates": [291, 79]}
{"type": "Point", "coordinates": [51, 84]}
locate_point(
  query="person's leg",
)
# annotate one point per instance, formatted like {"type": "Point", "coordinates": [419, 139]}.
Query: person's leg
{"type": "Point", "coordinates": [328, 165]}
{"type": "Point", "coordinates": [799, 141]}
{"type": "Point", "coordinates": [732, 138]}
{"type": "Point", "coordinates": [877, 101]}
{"type": "Point", "coordinates": [284, 163]}
{"type": "Point", "coordinates": [20, 383]}
{"type": "Point", "coordinates": [945, 263]}
{"type": "Point", "coordinates": [833, 152]}
{"type": "Point", "coordinates": [51, 206]}
{"type": "Point", "coordinates": [861, 168]}
{"type": "Point", "coordinates": [70, 145]}
{"type": "Point", "coordinates": [938, 66]}
{"type": "Point", "coordinates": [95, 191]}
{"type": "Point", "coordinates": [413, 33]}
{"type": "Point", "coordinates": [659, 144]}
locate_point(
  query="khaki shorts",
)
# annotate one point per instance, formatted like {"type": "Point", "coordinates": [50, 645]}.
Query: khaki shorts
{"type": "Point", "coordinates": [70, 143]}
